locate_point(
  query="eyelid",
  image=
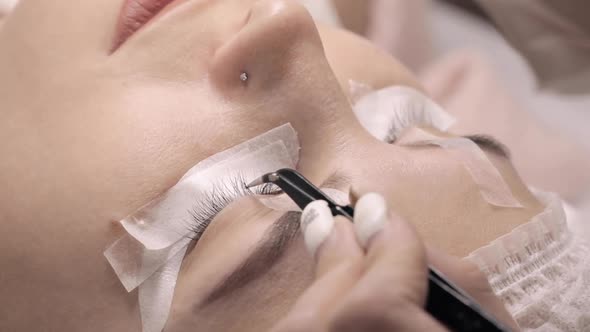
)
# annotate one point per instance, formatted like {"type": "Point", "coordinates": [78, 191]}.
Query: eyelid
{"type": "Point", "coordinates": [485, 142]}
{"type": "Point", "coordinates": [491, 144]}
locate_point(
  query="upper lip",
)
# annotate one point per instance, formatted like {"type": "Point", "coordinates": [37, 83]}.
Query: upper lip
{"type": "Point", "coordinates": [135, 14]}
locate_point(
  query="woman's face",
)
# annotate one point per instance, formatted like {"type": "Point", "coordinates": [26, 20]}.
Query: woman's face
{"type": "Point", "coordinates": [97, 122]}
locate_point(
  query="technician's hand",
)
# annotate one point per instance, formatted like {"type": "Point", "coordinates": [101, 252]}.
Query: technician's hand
{"type": "Point", "coordinates": [371, 275]}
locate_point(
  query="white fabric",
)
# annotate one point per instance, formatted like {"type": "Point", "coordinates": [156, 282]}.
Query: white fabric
{"type": "Point", "coordinates": [6, 6]}
{"type": "Point", "coordinates": [541, 271]}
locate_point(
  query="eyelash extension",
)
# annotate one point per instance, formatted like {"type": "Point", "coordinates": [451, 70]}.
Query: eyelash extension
{"type": "Point", "coordinates": [406, 116]}
{"type": "Point", "coordinates": [219, 197]}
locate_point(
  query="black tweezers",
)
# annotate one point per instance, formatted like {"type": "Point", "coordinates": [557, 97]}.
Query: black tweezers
{"type": "Point", "coordinates": [446, 302]}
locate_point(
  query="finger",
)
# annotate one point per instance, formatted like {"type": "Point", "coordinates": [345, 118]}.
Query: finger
{"type": "Point", "coordinates": [358, 318]}
{"type": "Point", "coordinates": [338, 259]}
{"type": "Point", "coordinates": [315, 306]}
{"type": "Point", "coordinates": [330, 240]}
{"type": "Point", "coordinates": [396, 257]}
{"type": "Point", "coordinates": [391, 293]}
{"type": "Point", "coordinates": [353, 196]}
{"type": "Point", "coordinates": [471, 279]}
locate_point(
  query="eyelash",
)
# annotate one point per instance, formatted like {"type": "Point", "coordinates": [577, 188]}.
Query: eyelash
{"type": "Point", "coordinates": [219, 197]}
{"type": "Point", "coordinates": [405, 118]}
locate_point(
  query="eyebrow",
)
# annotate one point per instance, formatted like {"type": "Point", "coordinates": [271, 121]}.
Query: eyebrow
{"type": "Point", "coordinates": [269, 250]}
{"type": "Point", "coordinates": [335, 181]}
{"type": "Point", "coordinates": [490, 144]}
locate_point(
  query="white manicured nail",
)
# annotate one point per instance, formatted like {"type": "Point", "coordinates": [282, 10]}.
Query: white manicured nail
{"type": "Point", "coordinates": [370, 216]}
{"type": "Point", "coordinates": [317, 223]}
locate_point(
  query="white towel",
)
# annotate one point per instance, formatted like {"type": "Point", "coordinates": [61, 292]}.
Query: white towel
{"type": "Point", "coordinates": [6, 6]}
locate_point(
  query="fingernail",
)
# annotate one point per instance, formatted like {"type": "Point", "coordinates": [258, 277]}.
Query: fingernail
{"type": "Point", "coordinates": [370, 216]}
{"type": "Point", "coordinates": [317, 223]}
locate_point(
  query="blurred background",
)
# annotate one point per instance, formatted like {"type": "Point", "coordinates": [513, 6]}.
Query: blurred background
{"type": "Point", "coordinates": [470, 68]}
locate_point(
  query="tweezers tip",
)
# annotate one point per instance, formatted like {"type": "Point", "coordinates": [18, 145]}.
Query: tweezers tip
{"type": "Point", "coordinates": [257, 182]}
{"type": "Point", "coordinates": [266, 178]}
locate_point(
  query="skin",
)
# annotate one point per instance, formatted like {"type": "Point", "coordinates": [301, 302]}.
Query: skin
{"type": "Point", "coordinates": [354, 15]}
{"type": "Point", "coordinates": [356, 268]}
{"type": "Point", "coordinates": [88, 136]}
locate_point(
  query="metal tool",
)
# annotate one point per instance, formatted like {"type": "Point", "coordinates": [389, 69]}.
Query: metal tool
{"type": "Point", "coordinates": [301, 191]}
{"type": "Point", "coordinates": [446, 302]}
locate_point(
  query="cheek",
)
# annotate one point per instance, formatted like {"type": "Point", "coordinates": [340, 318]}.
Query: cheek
{"type": "Point", "coordinates": [137, 142]}
{"type": "Point", "coordinates": [136, 147]}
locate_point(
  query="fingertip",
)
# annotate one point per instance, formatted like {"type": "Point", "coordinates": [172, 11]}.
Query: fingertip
{"type": "Point", "coordinates": [370, 217]}
{"type": "Point", "coordinates": [340, 249]}
{"type": "Point", "coordinates": [317, 224]}
{"type": "Point", "coordinates": [375, 225]}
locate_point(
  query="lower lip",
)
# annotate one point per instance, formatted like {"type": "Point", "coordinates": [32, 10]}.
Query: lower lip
{"type": "Point", "coordinates": [137, 13]}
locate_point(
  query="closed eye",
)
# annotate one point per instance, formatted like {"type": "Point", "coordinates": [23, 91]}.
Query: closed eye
{"type": "Point", "coordinates": [490, 144]}
{"type": "Point", "coordinates": [219, 197]}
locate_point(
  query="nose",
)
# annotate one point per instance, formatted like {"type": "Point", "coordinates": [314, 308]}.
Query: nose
{"type": "Point", "coordinates": [274, 32]}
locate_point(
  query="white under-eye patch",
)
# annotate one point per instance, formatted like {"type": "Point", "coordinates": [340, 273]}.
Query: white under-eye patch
{"type": "Point", "coordinates": [386, 113]}
{"type": "Point", "coordinates": [6, 6]}
{"type": "Point", "coordinates": [150, 255]}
